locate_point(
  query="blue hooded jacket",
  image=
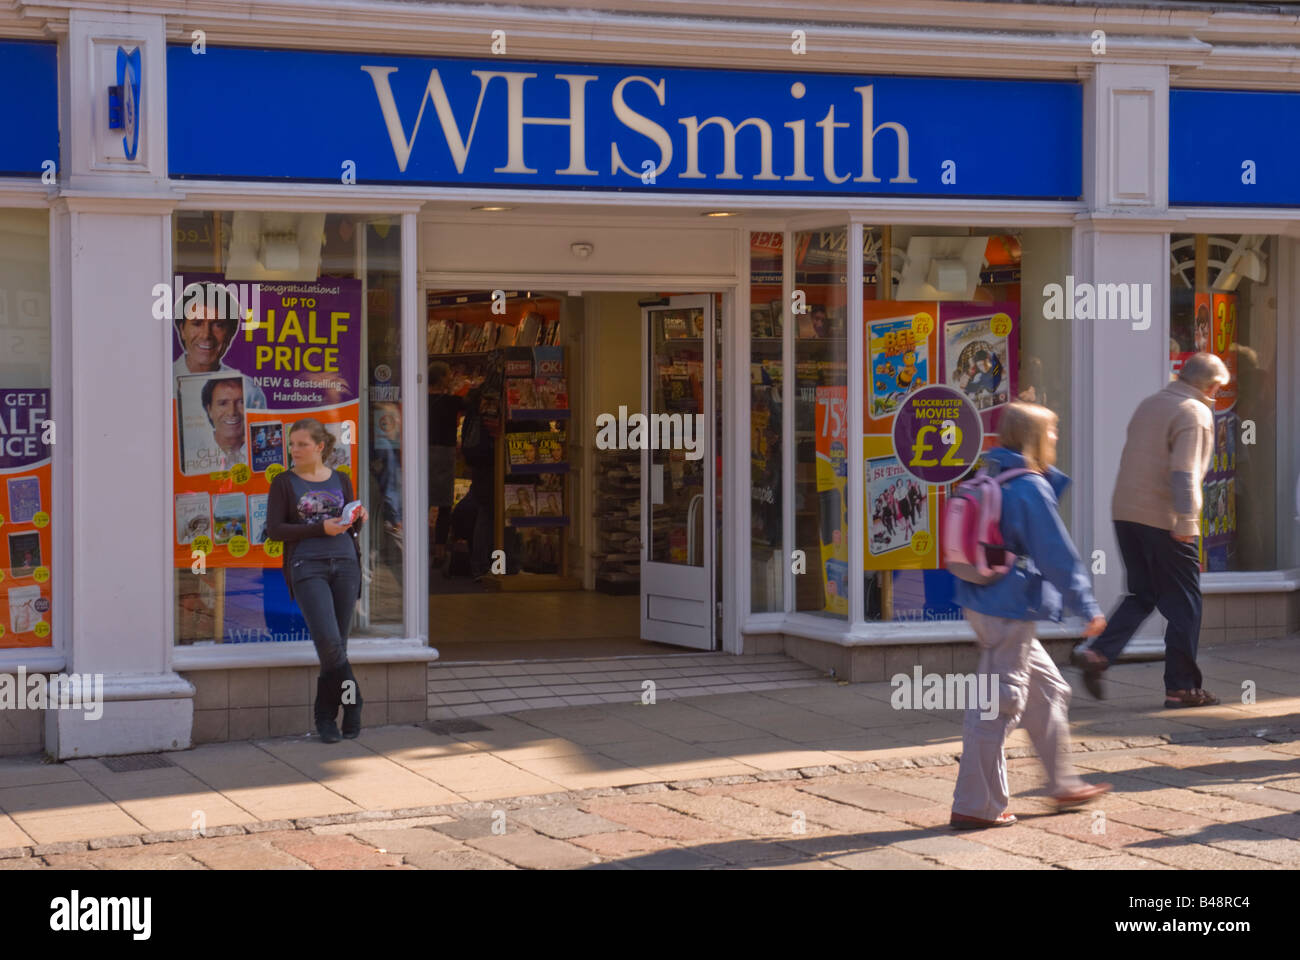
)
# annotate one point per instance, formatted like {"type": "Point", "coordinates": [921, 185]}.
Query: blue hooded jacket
{"type": "Point", "coordinates": [1048, 569]}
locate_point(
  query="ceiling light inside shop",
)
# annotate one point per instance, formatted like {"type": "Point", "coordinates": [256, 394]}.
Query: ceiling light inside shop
{"type": "Point", "coordinates": [1246, 260]}
{"type": "Point", "coordinates": [941, 268]}
{"type": "Point", "coordinates": [275, 246]}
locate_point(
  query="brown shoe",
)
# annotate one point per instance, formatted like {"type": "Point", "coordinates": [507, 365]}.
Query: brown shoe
{"type": "Point", "coordinates": [1092, 664]}
{"type": "Point", "coordinates": [1081, 796]}
{"type": "Point", "coordinates": [960, 821]}
{"type": "Point", "coordinates": [1175, 699]}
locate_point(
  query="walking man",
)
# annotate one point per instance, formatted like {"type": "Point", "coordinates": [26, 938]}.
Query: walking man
{"type": "Point", "coordinates": [1157, 508]}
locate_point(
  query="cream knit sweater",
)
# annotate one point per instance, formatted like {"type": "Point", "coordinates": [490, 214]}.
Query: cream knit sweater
{"type": "Point", "coordinates": [1171, 432]}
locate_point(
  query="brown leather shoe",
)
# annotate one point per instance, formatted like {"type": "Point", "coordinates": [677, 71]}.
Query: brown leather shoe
{"type": "Point", "coordinates": [1085, 793]}
{"type": "Point", "coordinates": [1189, 698]}
{"type": "Point", "coordinates": [960, 821]}
{"type": "Point", "coordinates": [1092, 664]}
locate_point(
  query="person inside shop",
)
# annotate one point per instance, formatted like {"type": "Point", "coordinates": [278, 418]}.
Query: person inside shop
{"type": "Point", "coordinates": [479, 451]}
{"type": "Point", "coordinates": [206, 321]}
{"type": "Point", "coordinates": [322, 567]}
{"type": "Point", "coordinates": [445, 410]}
{"type": "Point", "coordinates": [223, 402]}
{"type": "Point", "coordinates": [386, 469]}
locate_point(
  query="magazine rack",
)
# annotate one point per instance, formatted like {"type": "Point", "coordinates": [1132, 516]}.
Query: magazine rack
{"type": "Point", "coordinates": [532, 488]}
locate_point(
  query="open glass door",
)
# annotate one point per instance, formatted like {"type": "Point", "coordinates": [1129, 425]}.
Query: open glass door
{"type": "Point", "coordinates": [678, 472]}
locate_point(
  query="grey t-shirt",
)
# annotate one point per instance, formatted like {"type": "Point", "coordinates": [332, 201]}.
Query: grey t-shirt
{"type": "Point", "coordinates": [316, 502]}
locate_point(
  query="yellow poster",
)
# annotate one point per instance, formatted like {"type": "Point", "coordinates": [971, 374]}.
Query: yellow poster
{"type": "Point", "coordinates": [902, 515]}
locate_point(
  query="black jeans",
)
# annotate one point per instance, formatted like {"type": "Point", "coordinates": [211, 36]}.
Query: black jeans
{"type": "Point", "coordinates": [326, 590]}
{"type": "Point", "coordinates": [1162, 574]}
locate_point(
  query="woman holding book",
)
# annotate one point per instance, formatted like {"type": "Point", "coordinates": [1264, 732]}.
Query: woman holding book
{"type": "Point", "coordinates": [310, 510]}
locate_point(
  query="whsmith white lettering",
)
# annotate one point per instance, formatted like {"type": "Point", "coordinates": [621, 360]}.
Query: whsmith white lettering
{"type": "Point", "coordinates": [459, 143]}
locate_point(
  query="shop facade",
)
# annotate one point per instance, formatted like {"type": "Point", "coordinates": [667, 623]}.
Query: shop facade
{"type": "Point", "coordinates": [869, 220]}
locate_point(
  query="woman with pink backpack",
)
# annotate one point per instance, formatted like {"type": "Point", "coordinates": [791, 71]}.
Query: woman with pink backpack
{"type": "Point", "coordinates": [1040, 574]}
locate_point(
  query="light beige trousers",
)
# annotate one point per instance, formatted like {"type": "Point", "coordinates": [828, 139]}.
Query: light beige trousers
{"type": "Point", "coordinates": [1032, 693]}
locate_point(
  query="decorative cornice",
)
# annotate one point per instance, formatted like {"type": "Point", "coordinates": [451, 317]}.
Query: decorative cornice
{"type": "Point", "coordinates": [948, 37]}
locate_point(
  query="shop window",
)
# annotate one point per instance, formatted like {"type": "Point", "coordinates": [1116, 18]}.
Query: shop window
{"type": "Point", "coordinates": [953, 330]}
{"type": "Point", "coordinates": [298, 315]}
{"type": "Point", "coordinates": [766, 326]}
{"type": "Point", "coordinates": [822, 513]}
{"type": "Point", "coordinates": [1223, 296]}
{"type": "Point", "coordinates": [27, 517]}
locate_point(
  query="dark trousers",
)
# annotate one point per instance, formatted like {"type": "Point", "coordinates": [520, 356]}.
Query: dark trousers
{"type": "Point", "coordinates": [1162, 574]}
{"type": "Point", "coordinates": [442, 526]}
{"type": "Point", "coordinates": [326, 592]}
{"type": "Point", "coordinates": [482, 491]}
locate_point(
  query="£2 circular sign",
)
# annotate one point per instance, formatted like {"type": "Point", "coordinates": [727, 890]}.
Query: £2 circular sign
{"type": "Point", "coordinates": [937, 434]}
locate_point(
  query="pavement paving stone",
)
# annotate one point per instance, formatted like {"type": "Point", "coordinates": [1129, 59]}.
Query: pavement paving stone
{"type": "Point", "coordinates": [623, 843]}
{"type": "Point", "coordinates": [564, 822]}
{"type": "Point", "coordinates": [675, 858]}
{"type": "Point", "coordinates": [659, 821]}
{"type": "Point", "coordinates": [406, 841]}
{"type": "Point", "coordinates": [1086, 827]}
{"type": "Point", "coordinates": [1244, 840]}
{"type": "Point", "coordinates": [241, 853]}
{"type": "Point", "coordinates": [532, 851]}
{"type": "Point", "coordinates": [1027, 840]}
{"type": "Point", "coordinates": [333, 852]}
{"type": "Point", "coordinates": [1121, 861]}
{"type": "Point", "coordinates": [886, 859]}
{"type": "Point", "coordinates": [1183, 854]}
{"type": "Point", "coordinates": [867, 796]}
{"type": "Point", "coordinates": [730, 812]}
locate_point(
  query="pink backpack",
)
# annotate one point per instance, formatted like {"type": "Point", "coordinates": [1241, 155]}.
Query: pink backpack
{"type": "Point", "coordinates": [971, 546]}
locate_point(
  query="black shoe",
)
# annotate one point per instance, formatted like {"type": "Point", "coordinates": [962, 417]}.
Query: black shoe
{"type": "Point", "coordinates": [351, 726]}
{"type": "Point", "coordinates": [1092, 664]}
{"type": "Point", "coordinates": [327, 709]}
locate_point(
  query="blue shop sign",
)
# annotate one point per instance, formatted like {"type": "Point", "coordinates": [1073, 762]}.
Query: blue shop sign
{"type": "Point", "coordinates": [30, 145]}
{"type": "Point", "coordinates": [323, 117]}
{"type": "Point", "coordinates": [1234, 148]}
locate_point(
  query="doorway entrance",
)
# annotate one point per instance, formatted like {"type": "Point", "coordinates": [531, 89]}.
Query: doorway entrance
{"type": "Point", "coordinates": [562, 539]}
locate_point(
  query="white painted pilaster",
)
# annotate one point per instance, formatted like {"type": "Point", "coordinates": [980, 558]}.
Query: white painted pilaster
{"type": "Point", "coordinates": [1126, 176]}
{"type": "Point", "coordinates": [111, 244]}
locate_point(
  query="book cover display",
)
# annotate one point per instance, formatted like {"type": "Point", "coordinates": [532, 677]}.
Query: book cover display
{"type": "Point", "coordinates": [26, 542]}
{"type": "Point", "coordinates": [299, 358]}
{"type": "Point", "coordinates": [900, 353]}
{"type": "Point", "coordinates": [981, 354]}
{"type": "Point", "coordinates": [1208, 323]}
{"type": "Point", "coordinates": [969, 347]}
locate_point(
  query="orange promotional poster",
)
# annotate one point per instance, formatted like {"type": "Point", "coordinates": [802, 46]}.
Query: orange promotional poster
{"type": "Point", "coordinates": [901, 348]}
{"type": "Point", "coordinates": [832, 436]}
{"type": "Point", "coordinates": [26, 433]}
{"type": "Point", "coordinates": [239, 388]}
{"type": "Point", "coordinates": [1223, 343]}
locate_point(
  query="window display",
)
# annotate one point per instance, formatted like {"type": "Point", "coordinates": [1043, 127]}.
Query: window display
{"type": "Point", "coordinates": [269, 327]}
{"type": "Point", "coordinates": [944, 339]}
{"type": "Point", "coordinates": [822, 509]}
{"type": "Point", "coordinates": [27, 515]}
{"type": "Point", "coordinates": [1223, 301]}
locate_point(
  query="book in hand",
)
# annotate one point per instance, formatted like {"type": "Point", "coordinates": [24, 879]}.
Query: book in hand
{"type": "Point", "coordinates": [349, 513]}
